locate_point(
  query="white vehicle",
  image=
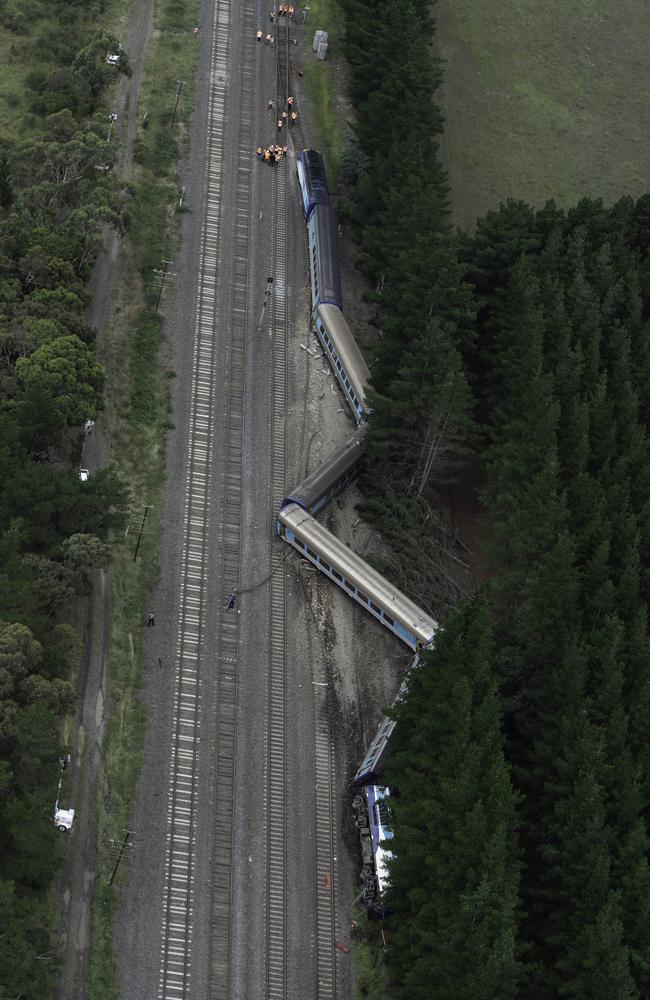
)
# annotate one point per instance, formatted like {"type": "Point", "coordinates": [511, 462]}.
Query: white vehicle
{"type": "Point", "coordinates": [112, 58]}
{"type": "Point", "coordinates": [84, 475]}
{"type": "Point", "coordinates": [63, 819]}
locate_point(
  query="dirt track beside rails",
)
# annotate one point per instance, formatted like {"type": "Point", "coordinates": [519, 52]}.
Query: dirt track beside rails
{"type": "Point", "coordinates": [78, 874]}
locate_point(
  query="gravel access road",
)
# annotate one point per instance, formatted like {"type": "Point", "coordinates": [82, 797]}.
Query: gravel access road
{"type": "Point", "coordinates": [78, 875]}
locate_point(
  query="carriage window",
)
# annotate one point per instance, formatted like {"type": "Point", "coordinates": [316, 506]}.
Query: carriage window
{"type": "Point", "coordinates": [362, 597]}
{"type": "Point", "coordinates": [349, 585]}
{"type": "Point", "coordinates": [310, 552]}
{"type": "Point", "coordinates": [375, 608]}
{"type": "Point", "coordinates": [388, 619]}
{"type": "Point", "coordinates": [337, 576]}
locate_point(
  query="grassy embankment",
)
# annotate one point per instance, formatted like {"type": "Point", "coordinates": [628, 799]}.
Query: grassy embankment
{"type": "Point", "coordinates": [137, 403]}
{"type": "Point", "coordinates": [543, 101]}
{"type": "Point", "coordinates": [370, 972]}
{"type": "Point", "coordinates": [325, 130]}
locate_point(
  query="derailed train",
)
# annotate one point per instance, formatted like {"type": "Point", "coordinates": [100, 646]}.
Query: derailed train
{"type": "Point", "coordinates": [371, 806]}
{"type": "Point", "coordinates": [328, 321]}
{"type": "Point", "coordinates": [295, 521]}
{"type": "Point", "coordinates": [297, 525]}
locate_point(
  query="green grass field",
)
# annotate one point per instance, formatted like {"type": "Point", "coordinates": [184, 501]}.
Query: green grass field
{"type": "Point", "coordinates": [543, 100]}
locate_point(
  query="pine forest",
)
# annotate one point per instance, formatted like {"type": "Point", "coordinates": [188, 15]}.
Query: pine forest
{"type": "Point", "coordinates": [520, 353]}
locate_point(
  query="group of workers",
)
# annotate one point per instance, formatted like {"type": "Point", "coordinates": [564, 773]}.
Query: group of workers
{"type": "Point", "coordinates": [290, 115]}
{"type": "Point", "coordinates": [271, 154]}
{"type": "Point", "coordinates": [284, 10]}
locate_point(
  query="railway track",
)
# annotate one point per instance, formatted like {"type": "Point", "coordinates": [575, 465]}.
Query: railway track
{"type": "Point", "coordinates": [176, 945]}
{"type": "Point", "coordinates": [325, 973]}
{"type": "Point", "coordinates": [276, 764]}
{"type": "Point", "coordinates": [234, 262]}
{"type": "Point", "coordinates": [226, 257]}
{"type": "Point", "coordinates": [174, 978]}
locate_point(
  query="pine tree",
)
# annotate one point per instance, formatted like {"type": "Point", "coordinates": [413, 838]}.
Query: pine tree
{"type": "Point", "coordinates": [574, 854]}
{"type": "Point", "coordinates": [454, 878]}
{"type": "Point", "coordinates": [423, 424]}
{"type": "Point", "coordinates": [598, 963]}
{"type": "Point", "coordinates": [632, 876]}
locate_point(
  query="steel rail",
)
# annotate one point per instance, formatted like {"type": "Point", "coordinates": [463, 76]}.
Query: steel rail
{"type": "Point", "coordinates": [276, 763]}
{"type": "Point", "coordinates": [324, 777]}
{"type": "Point", "coordinates": [233, 260]}
{"type": "Point", "coordinates": [176, 938]}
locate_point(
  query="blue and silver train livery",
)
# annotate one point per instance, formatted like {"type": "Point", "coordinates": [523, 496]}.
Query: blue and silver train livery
{"type": "Point", "coordinates": [328, 322]}
{"type": "Point", "coordinates": [324, 267]}
{"type": "Point", "coordinates": [347, 362]}
{"type": "Point", "coordinates": [312, 180]}
{"type": "Point", "coordinates": [331, 476]}
{"type": "Point", "coordinates": [374, 822]}
{"type": "Point", "coordinates": [381, 829]}
{"type": "Point", "coordinates": [398, 613]}
{"type": "Point", "coordinates": [372, 766]}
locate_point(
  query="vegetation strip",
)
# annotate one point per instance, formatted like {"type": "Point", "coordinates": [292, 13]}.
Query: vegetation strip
{"type": "Point", "coordinates": [141, 426]}
{"type": "Point", "coordinates": [57, 189]}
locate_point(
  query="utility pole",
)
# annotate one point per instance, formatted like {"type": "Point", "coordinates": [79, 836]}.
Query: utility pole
{"type": "Point", "coordinates": [267, 296]}
{"type": "Point", "coordinates": [163, 274]}
{"type": "Point", "coordinates": [119, 857]}
{"type": "Point", "coordinates": [178, 96]}
{"type": "Point", "coordinates": [144, 518]}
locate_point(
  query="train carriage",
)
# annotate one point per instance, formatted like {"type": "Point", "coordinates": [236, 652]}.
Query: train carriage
{"type": "Point", "coordinates": [356, 577]}
{"type": "Point", "coordinates": [346, 359]}
{"type": "Point", "coordinates": [381, 827]}
{"type": "Point", "coordinates": [373, 764]}
{"type": "Point", "coordinates": [331, 476]}
{"type": "Point", "coordinates": [373, 819]}
{"type": "Point", "coordinates": [324, 267]}
{"type": "Point", "coordinates": [312, 180]}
